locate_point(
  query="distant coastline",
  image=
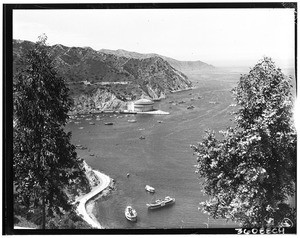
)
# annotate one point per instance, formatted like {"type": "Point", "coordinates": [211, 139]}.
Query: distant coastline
{"type": "Point", "coordinates": [182, 90]}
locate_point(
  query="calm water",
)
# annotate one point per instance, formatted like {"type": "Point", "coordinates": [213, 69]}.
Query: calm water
{"type": "Point", "coordinates": [163, 159]}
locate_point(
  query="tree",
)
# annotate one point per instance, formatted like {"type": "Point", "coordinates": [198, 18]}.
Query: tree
{"type": "Point", "coordinates": [45, 163]}
{"type": "Point", "coordinates": [250, 172]}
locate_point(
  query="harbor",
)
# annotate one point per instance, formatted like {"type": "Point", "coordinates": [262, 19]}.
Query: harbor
{"type": "Point", "coordinates": [153, 151]}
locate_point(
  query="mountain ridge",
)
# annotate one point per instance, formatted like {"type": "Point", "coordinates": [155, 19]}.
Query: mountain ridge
{"type": "Point", "coordinates": [120, 76]}
{"type": "Point", "coordinates": [185, 66]}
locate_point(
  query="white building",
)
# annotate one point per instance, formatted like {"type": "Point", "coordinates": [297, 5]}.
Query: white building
{"type": "Point", "coordinates": [130, 106]}
{"type": "Point", "coordinates": [141, 105]}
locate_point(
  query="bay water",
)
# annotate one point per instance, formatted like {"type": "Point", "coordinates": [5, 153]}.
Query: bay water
{"type": "Point", "coordinates": [163, 159]}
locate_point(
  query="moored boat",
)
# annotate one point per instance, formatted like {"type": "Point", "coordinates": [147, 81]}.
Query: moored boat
{"type": "Point", "coordinates": [149, 189]}
{"type": "Point", "coordinates": [161, 203]}
{"type": "Point", "coordinates": [130, 213]}
{"type": "Point", "coordinates": [108, 123]}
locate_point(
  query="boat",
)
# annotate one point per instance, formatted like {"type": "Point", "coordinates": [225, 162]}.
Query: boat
{"type": "Point", "coordinates": [161, 203]}
{"type": "Point", "coordinates": [108, 123]}
{"type": "Point", "coordinates": [149, 189]}
{"type": "Point", "coordinates": [132, 121]}
{"type": "Point", "coordinates": [130, 213]}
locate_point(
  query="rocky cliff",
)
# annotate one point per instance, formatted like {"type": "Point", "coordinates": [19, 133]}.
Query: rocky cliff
{"type": "Point", "coordinates": [100, 100]}
{"type": "Point", "coordinates": [105, 80]}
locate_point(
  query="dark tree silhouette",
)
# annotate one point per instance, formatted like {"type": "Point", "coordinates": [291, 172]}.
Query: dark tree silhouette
{"type": "Point", "coordinates": [250, 174]}
{"type": "Point", "coordinates": [45, 163]}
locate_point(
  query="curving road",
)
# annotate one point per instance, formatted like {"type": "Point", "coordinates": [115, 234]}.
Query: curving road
{"type": "Point", "coordinates": [81, 208]}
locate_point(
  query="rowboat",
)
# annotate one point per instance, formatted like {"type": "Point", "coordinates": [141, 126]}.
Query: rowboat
{"type": "Point", "coordinates": [130, 213]}
{"type": "Point", "coordinates": [149, 189]}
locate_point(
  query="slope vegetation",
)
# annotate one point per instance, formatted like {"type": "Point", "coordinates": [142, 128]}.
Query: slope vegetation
{"type": "Point", "coordinates": [107, 79]}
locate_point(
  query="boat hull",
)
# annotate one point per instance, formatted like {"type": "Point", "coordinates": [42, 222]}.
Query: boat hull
{"type": "Point", "coordinates": [130, 216]}
{"type": "Point", "coordinates": [161, 205]}
{"type": "Point", "coordinates": [149, 189]}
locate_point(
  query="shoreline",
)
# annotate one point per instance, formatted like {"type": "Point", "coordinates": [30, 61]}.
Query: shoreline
{"type": "Point", "coordinates": [154, 112]}
{"type": "Point", "coordinates": [83, 200]}
{"type": "Point", "coordinates": [182, 90]}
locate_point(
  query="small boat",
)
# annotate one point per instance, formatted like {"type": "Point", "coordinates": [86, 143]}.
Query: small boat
{"type": "Point", "coordinates": [132, 121]}
{"type": "Point", "coordinates": [149, 189]}
{"type": "Point", "coordinates": [161, 203]}
{"type": "Point", "coordinates": [130, 213]}
{"type": "Point", "coordinates": [108, 123]}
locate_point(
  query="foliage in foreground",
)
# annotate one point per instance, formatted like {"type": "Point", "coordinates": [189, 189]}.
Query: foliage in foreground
{"type": "Point", "coordinates": [45, 163]}
{"type": "Point", "coordinates": [250, 174]}
{"type": "Point", "coordinates": [69, 220]}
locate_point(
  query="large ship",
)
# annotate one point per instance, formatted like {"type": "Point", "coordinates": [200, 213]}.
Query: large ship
{"type": "Point", "coordinates": [161, 203]}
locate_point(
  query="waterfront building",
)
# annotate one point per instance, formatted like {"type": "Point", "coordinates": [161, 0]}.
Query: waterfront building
{"type": "Point", "coordinates": [130, 106]}
{"type": "Point", "coordinates": [143, 105]}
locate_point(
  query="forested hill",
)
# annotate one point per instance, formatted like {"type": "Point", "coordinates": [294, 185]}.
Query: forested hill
{"type": "Point", "coordinates": [92, 73]}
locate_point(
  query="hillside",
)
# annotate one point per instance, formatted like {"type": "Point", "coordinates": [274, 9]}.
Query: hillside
{"type": "Point", "coordinates": [120, 75]}
{"type": "Point", "coordinates": [184, 66]}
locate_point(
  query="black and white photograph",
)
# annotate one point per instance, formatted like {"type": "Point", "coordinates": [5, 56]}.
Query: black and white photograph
{"type": "Point", "coordinates": [150, 118]}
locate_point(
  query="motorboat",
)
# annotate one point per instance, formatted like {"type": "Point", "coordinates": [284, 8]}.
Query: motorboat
{"type": "Point", "coordinates": [149, 189]}
{"type": "Point", "coordinates": [161, 203]}
{"type": "Point", "coordinates": [130, 213]}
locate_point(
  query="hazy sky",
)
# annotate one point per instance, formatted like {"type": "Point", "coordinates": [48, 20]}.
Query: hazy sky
{"type": "Point", "coordinates": [222, 37]}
